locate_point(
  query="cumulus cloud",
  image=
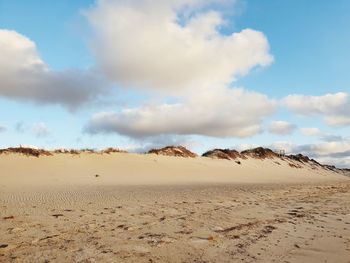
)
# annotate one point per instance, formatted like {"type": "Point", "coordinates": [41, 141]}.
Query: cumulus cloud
{"type": "Point", "coordinates": [330, 149]}
{"type": "Point", "coordinates": [336, 152]}
{"type": "Point", "coordinates": [176, 48]}
{"type": "Point", "coordinates": [282, 128]}
{"type": "Point", "coordinates": [338, 120]}
{"type": "Point", "coordinates": [225, 113]}
{"type": "Point", "coordinates": [172, 45]}
{"type": "Point", "coordinates": [312, 131]}
{"type": "Point", "coordinates": [334, 108]}
{"type": "Point", "coordinates": [24, 76]}
{"type": "Point", "coordinates": [2, 128]}
{"type": "Point", "coordinates": [40, 130]}
{"type": "Point", "coordinates": [326, 137]}
{"type": "Point", "coordinates": [338, 162]}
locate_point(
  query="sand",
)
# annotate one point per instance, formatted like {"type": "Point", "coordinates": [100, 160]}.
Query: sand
{"type": "Point", "coordinates": [147, 208]}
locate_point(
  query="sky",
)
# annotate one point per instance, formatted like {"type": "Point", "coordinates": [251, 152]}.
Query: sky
{"type": "Point", "coordinates": [137, 74]}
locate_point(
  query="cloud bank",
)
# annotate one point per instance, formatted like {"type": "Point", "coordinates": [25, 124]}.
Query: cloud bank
{"type": "Point", "coordinates": [176, 48]}
{"type": "Point", "coordinates": [334, 108]}
{"type": "Point", "coordinates": [333, 152]}
{"type": "Point", "coordinates": [227, 113]}
{"type": "Point", "coordinates": [25, 77]}
{"type": "Point", "coordinates": [157, 45]}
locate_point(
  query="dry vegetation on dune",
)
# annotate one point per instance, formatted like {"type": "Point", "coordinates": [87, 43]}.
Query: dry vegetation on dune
{"type": "Point", "coordinates": [113, 150]}
{"type": "Point", "coordinates": [26, 151]}
{"type": "Point", "coordinates": [294, 161]}
{"type": "Point", "coordinates": [178, 151]}
{"type": "Point", "coordinates": [223, 154]}
{"type": "Point", "coordinates": [260, 153]}
{"type": "Point", "coordinates": [41, 152]}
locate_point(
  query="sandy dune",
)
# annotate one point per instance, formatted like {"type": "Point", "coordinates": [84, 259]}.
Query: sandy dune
{"type": "Point", "coordinates": [146, 208]}
{"type": "Point", "coordinates": [122, 168]}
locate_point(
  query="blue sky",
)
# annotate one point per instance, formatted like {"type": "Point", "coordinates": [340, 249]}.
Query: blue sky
{"type": "Point", "coordinates": [308, 41]}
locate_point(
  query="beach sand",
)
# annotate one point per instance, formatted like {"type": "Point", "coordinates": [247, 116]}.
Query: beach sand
{"type": "Point", "coordinates": [147, 208]}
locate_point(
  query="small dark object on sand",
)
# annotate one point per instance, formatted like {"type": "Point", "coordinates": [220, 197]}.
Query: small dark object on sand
{"type": "Point", "coordinates": [97, 175]}
{"type": "Point", "coordinates": [57, 215]}
{"type": "Point", "coordinates": [9, 217]}
{"type": "Point", "coordinates": [3, 245]}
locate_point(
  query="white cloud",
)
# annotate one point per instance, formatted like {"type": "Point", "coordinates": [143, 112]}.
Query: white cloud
{"type": "Point", "coordinates": [172, 46]}
{"type": "Point", "coordinates": [2, 128]}
{"type": "Point", "coordinates": [40, 130]}
{"type": "Point", "coordinates": [311, 131]}
{"type": "Point", "coordinates": [281, 128]}
{"type": "Point", "coordinates": [176, 47]}
{"type": "Point", "coordinates": [333, 153]}
{"type": "Point", "coordinates": [223, 113]}
{"type": "Point", "coordinates": [338, 162]}
{"type": "Point", "coordinates": [338, 120]}
{"type": "Point", "coordinates": [334, 108]}
{"type": "Point", "coordinates": [336, 153]}
{"type": "Point", "coordinates": [283, 145]}
{"type": "Point", "coordinates": [326, 137]}
{"type": "Point", "coordinates": [24, 76]}
{"type": "Point", "coordinates": [330, 149]}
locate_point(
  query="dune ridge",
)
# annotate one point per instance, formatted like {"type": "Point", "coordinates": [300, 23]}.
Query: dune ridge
{"type": "Point", "coordinates": [295, 161]}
